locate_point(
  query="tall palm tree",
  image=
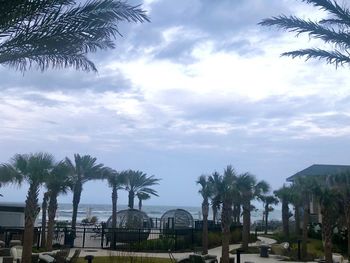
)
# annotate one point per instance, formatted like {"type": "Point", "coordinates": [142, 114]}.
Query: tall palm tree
{"type": "Point", "coordinates": [333, 30]}
{"type": "Point", "coordinates": [142, 196]}
{"type": "Point", "coordinates": [138, 182]}
{"type": "Point", "coordinates": [330, 201]}
{"type": "Point", "coordinates": [341, 184]}
{"type": "Point", "coordinates": [43, 218]}
{"type": "Point", "coordinates": [284, 195]}
{"type": "Point", "coordinates": [296, 200]}
{"type": "Point", "coordinates": [33, 168]}
{"type": "Point", "coordinates": [116, 181]}
{"type": "Point", "coordinates": [57, 182]}
{"type": "Point", "coordinates": [84, 168]}
{"type": "Point", "coordinates": [226, 192]}
{"type": "Point", "coordinates": [60, 33]}
{"type": "Point", "coordinates": [205, 191]}
{"type": "Point", "coordinates": [268, 200]}
{"type": "Point", "coordinates": [305, 187]}
{"type": "Point", "coordinates": [249, 189]}
{"type": "Point", "coordinates": [214, 181]}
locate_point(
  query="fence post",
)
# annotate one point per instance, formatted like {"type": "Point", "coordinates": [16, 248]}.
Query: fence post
{"type": "Point", "coordinates": [175, 239]}
{"type": "Point", "coordinates": [38, 238]}
{"type": "Point", "coordinates": [102, 234]}
{"type": "Point", "coordinates": [84, 237]}
{"type": "Point", "coordinates": [192, 238]}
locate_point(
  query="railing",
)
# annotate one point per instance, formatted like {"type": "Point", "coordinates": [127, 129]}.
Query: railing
{"type": "Point", "coordinates": [147, 239]}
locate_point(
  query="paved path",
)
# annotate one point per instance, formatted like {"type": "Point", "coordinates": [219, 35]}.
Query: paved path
{"type": "Point", "coordinates": [214, 251]}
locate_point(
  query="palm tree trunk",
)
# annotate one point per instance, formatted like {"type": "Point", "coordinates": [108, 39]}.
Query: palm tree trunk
{"type": "Point", "coordinates": [131, 199]}
{"type": "Point", "coordinates": [246, 223]}
{"type": "Point", "coordinates": [205, 212]}
{"type": "Point", "coordinates": [285, 218]}
{"type": "Point", "coordinates": [30, 213]}
{"type": "Point", "coordinates": [76, 200]}
{"type": "Point", "coordinates": [327, 234]}
{"type": "Point", "coordinates": [297, 220]}
{"type": "Point", "coordinates": [43, 219]}
{"type": "Point", "coordinates": [114, 215]}
{"type": "Point", "coordinates": [140, 204]}
{"type": "Point", "coordinates": [305, 230]}
{"type": "Point", "coordinates": [50, 226]}
{"type": "Point", "coordinates": [347, 218]}
{"type": "Point", "coordinates": [215, 212]}
{"type": "Point", "coordinates": [266, 218]}
{"type": "Point", "coordinates": [239, 214]}
{"type": "Point", "coordinates": [225, 225]}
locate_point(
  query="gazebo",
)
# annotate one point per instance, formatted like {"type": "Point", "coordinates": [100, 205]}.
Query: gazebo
{"type": "Point", "coordinates": [132, 225]}
{"type": "Point", "coordinates": [176, 219]}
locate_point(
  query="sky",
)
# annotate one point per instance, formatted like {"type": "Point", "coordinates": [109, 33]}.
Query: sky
{"type": "Point", "coordinates": [200, 87]}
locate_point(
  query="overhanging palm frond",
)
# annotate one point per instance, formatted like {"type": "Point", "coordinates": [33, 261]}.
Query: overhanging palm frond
{"type": "Point", "coordinates": [333, 30]}
{"type": "Point", "coordinates": [342, 14]}
{"type": "Point", "coordinates": [332, 57]}
{"type": "Point", "coordinates": [60, 34]}
{"type": "Point", "coordinates": [314, 29]}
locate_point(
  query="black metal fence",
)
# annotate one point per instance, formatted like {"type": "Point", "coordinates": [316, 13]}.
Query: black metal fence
{"type": "Point", "coordinates": [98, 236]}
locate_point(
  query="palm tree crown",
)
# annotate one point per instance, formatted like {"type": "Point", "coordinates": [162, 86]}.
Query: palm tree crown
{"type": "Point", "coordinates": [83, 169]}
{"type": "Point", "coordinates": [33, 168]}
{"type": "Point", "coordinates": [138, 182]}
{"type": "Point", "coordinates": [332, 30]}
{"type": "Point", "coordinates": [60, 33]}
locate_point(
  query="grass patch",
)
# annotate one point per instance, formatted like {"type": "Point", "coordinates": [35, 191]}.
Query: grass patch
{"type": "Point", "coordinates": [126, 259]}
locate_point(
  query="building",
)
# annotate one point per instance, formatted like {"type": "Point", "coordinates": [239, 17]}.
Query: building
{"type": "Point", "coordinates": [318, 170]}
{"type": "Point", "coordinates": [12, 215]}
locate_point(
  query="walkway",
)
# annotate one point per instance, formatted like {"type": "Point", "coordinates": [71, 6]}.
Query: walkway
{"type": "Point", "coordinates": [214, 251]}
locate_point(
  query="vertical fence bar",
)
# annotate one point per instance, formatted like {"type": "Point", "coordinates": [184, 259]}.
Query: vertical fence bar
{"type": "Point", "coordinates": [38, 238]}
{"type": "Point", "coordinates": [102, 234]}
{"type": "Point", "coordinates": [84, 234]}
{"type": "Point", "coordinates": [175, 232]}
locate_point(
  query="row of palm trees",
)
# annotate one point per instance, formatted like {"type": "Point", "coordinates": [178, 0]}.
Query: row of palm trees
{"type": "Point", "coordinates": [58, 178]}
{"type": "Point", "coordinates": [332, 195]}
{"type": "Point", "coordinates": [231, 193]}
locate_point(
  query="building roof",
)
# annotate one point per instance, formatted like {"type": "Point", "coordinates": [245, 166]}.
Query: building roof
{"type": "Point", "coordinates": [320, 169]}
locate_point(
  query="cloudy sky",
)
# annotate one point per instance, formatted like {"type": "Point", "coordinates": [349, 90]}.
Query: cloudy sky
{"type": "Point", "coordinates": [200, 87]}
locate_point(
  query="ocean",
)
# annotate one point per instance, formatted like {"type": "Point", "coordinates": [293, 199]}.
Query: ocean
{"type": "Point", "coordinates": [104, 211]}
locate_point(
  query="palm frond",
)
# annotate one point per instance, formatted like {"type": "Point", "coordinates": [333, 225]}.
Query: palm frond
{"type": "Point", "coordinates": [63, 35]}
{"type": "Point", "coordinates": [332, 57]}
{"type": "Point", "coordinates": [313, 29]}
{"type": "Point", "coordinates": [332, 7]}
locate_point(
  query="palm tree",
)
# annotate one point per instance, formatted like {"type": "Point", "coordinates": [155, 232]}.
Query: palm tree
{"type": "Point", "coordinates": [142, 196]}
{"type": "Point", "coordinates": [57, 182]}
{"type": "Point", "coordinates": [33, 168]}
{"type": "Point", "coordinates": [333, 30]}
{"type": "Point", "coordinates": [284, 195]}
{"type": "Point", "coordinates": [60, 33]}
{"type": "Point", "coordinates": [138, 182]}
{"type": "Point", "coordinates": [83, 169]}
{"type": "Point", "coordinates": [268, 200]}
{"type": "Point", "coordinates": [341, 183]}
{"type": "Point", "coordinates": [214, 181]}
{"type": "Point", "coordinates": [329, 201]}
{"type": "Point", "coordinates": [225, 191]}
{"type": "Point", "coordinates": [43, 218]}
{"type": "Point", "coordinates": [116, 181]}
{"type": "Point", "coordinates": [305, 187]}
{"type": "Point", "coordinates": [249, 189]}
{"type": "Point", "coordinates": [296, 200]}
{"type": "Point", "coordinates": [205, 191]}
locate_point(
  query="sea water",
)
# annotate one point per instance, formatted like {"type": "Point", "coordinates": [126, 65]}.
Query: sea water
{"type": "Point", "coordinates": [104, 211]}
